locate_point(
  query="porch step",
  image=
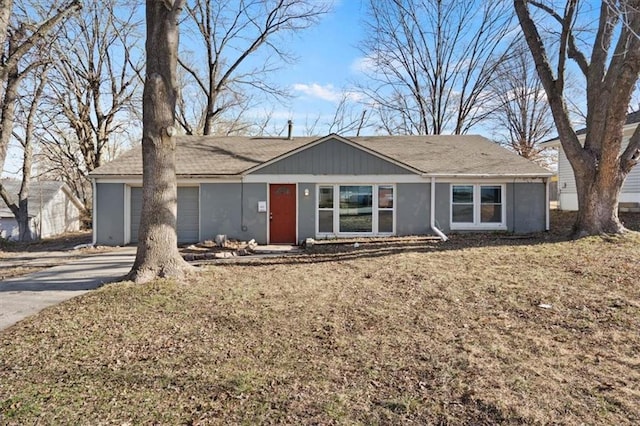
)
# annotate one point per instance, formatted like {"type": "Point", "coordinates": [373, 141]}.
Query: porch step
{"type": "Point", "coordinates": [629, 207]}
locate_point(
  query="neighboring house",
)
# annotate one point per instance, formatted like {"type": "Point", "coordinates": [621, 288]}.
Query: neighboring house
{"type": "Point", "coordinates": [567, 193]}
{"type": "Point", "coordinates": [281, 190]}
{"type": "Point", "coordinates": [53, 210]}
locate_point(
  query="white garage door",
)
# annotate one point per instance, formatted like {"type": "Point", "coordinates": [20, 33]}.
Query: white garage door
{"type": "Point", "coordinates": [188, 214]}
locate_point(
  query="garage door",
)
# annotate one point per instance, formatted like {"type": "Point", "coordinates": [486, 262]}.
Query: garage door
{"type": "Point", "coordinates": [188, 214]}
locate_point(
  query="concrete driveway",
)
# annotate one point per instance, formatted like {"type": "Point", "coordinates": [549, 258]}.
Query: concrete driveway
{"type": "Point", "coordinates": [23, 296]}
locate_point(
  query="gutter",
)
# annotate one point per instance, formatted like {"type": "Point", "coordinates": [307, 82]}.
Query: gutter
{"type": "Point", "coordinates": [548, 204]}
{"type": "Point", "coordinates": [432, 218]}
{"type": "Point", "coordinates": [94, 216]}
{"type": "Point", "coordinates": [488, 175]}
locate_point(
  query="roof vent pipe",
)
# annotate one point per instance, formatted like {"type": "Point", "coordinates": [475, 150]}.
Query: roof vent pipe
{"type": "Point", "coordinates": [290, 130]}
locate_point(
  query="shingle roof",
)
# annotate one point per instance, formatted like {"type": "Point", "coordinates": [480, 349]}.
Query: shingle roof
{"type": "Point", "coordinates": [40, 193]}
{"type": "Point", "coordinates": [444, 155]}
{"type": "Point", "coordinates": [452, 155]}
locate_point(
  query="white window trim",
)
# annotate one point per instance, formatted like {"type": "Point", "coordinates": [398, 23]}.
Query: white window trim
{"type": "Point", "coordinates": [477, 224]}
{"type": "Point", "coordinates": [336, 211]}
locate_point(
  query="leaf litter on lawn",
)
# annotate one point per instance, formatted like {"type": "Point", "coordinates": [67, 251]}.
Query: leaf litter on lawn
{"type": "Point", "coordinates": [445, 333]}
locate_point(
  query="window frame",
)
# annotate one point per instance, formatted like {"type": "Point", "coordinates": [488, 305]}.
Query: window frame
{"type": "Point", "coordinates": [375, 209]}
{"type": "Point", "coordinates": [477, 223]}
{"type": "Point", "coordinates": [318, 209]}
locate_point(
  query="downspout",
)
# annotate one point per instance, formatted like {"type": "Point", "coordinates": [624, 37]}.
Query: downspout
{"type": "Point", "coordinates": [94, 213]}
{"type": "Point", "coordinates": [432, 221]}
{"type": "Point", "coordinates": [547, 181]}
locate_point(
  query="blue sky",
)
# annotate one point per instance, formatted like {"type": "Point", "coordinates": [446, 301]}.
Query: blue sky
{"type": "Point", "coordinates": [327, 62]}
{"type": "Point", "coordinates": [326, 54]}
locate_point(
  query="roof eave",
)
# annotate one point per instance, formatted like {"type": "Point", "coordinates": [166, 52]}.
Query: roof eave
{"type": "Point", "coordinates": [489, 175]}
{"type": "Point", "coordinates": [178, 176]}
{"type": "Point", "coordinates": [627, 131]}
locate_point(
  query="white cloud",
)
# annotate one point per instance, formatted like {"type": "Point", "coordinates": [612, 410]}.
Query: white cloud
{"type": "Point", "coordinates": [315, 90]}
{"type": "Point", "coordinates": [326, 92]}
{"type": "Point", "coordinates": [363, 65]}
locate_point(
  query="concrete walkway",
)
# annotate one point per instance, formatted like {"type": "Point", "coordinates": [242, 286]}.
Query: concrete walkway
{"type": "Point", "coordinates": [23, 296]}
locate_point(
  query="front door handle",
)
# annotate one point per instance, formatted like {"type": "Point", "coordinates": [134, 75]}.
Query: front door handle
{"type": "Point", "coordinates": [270, 216]}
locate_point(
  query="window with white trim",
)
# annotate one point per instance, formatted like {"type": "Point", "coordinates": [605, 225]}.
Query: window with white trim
{"type": "Point", "coordinates": [355, 210]}
{"type": "Point", "coordinates": [325, 209]}
{"type": "Point", "coordinates": [478, 206]}
{"type": "Point", "coordinates": [385, 209]}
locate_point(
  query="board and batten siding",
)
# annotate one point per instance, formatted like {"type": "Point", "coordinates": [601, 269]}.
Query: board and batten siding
{"type": "Point", "coordinates": [567, 192]}
{"type": "Point", "coordinates": [109, 216]}
{"type": "Point", "coordinates": [332, 157]}
{"type": "Point", "coordinates": [412, 209]}
{"type": "Point", "coordinates": [232, 209]}
{"type": "Point", "coordinates": [187, 220]}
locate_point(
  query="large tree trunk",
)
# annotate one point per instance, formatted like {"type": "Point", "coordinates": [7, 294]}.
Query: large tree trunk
{"type": "Point", "coordinates": [158, 254]}
{"type": "Point", "coordinates": [598, 200]}
{"type": "Point", "coordinates": [600, 164]}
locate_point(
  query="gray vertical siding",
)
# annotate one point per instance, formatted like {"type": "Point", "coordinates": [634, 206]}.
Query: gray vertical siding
{"type": "Point", "coordinates": [187, 220]}
{"type": "Point", "coordinates": [135, 211]}
{"type": "Point", "coordinates": [333, 157]}
{"type": "Point", "coordinates": [443, 206]}
{"type": "Point", "coordinates": [526, 207]}
{"type": "Point", "coordinates": [255, 223]}
{"type": "Point", "coordinates": [306, 211]}
{"type": "Point", "coordinates": [412, 208]}
{"type": "Point", "coordinates": [232, 209]}
{"type": "Point", "coordinates": [110, 214]}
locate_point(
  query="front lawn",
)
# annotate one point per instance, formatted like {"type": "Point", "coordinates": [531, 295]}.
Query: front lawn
{"type": "Point", "coordinates": [513, 331]}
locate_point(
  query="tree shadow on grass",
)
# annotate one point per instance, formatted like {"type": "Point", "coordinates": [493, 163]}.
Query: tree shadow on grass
{"type": "Point", "coordinates": [345, 250]}
{"type": "Point", "coordinates": [338, 251]}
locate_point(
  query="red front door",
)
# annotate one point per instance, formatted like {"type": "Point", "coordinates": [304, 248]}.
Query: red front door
{"type": "Point", "coordinates": [282, 214]}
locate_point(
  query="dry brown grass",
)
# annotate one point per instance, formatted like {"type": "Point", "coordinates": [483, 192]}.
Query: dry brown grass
{"type": "Point", "coordinates": [385, 334]}
{"type": "Point", "coordinates": [62, 242]}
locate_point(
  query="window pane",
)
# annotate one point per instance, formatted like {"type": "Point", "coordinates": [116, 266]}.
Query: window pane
{"type": "Point", "coordinates": [491, 213]}
{"type": "Point", "coordinates": [355, 222]}
{"type": "Point", "coordinates": [356, 208]}
{"type": "Point", "coordinates": [463, 194]}
{"type": "Point", "coordinates": [491, 194]}
{"type": "Point", "coordinates": [325, 221]}
{"type": "Point", "coordinates": [385, 197]}
{"type": "Point", "coordinates": [385, 221]}
{"type": "Point", "coordinates": [462, 213]}
{"type": "Point", "coordinates": [325, 197]}
{"type": "Point", "coordinates": [356, 196]}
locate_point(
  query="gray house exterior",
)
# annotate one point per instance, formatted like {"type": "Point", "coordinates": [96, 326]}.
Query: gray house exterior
{"type": "Point", "coordinates": [53, 210]}
{"type": "Point", "coordinates": [286, 190]}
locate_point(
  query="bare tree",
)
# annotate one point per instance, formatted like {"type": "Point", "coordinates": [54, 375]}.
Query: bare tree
{"type": "Point", "coordinates": [429, 62]}
{"type": "Point", "coordinates": [158, 254]}
{"type": "Point", "coordinates": [349, 117]}
{"type": "Point", "coordinates": [230, 32]}
{"type": "Point", "coordinates": [59, 158]}
{"type": "Point", "coordinates": [17, 38]}
{"type": "Point", "coordinates": [95, 85]}
{"type": "Point", "coordinates": [28, 109]}
{"type": "Point", "coordinates": [521, 108]}
{"type": "Point", "coordinates": [611, 71]}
